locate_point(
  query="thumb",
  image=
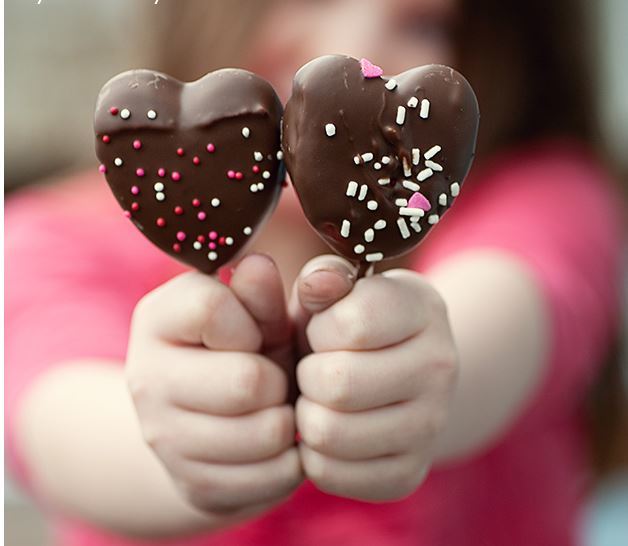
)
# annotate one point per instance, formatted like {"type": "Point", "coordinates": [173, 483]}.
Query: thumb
{"type": "Point", "coordinates": [323, 281]}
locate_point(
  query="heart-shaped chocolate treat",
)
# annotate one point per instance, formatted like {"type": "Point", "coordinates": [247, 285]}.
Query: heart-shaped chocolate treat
{"type": "Point", "coordinates": [196, 166]}
{"type": "Point", "coordinates": [377, 161]}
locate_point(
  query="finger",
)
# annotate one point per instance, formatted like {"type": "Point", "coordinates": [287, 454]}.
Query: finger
{"type": "Point", "coordinates": [396, 429]}
{"type": "Point", "coordinates": [196, 309]}
{"type": "Point", "coordinates": [380, 479]}
{"type": "Point", "coordinates": [361, 380]}
{"type": "Point", "coordinates": [228, 487]}
{"type": "Point", "coordinates": [323, 281]}
{"type": "Point", "coordinates": [220, 383]}
{"type": "Point", "coordinates": [257, 283]}
{"type": "Point", "coordinates": [380, 311]}
{"type": "Point", "coordinates": [246, 439]}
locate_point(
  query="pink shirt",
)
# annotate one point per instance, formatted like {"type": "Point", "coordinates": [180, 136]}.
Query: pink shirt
{"type": "Point", "coordinates": [75, 268]}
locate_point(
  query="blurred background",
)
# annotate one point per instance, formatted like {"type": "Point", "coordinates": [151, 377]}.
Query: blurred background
{"type": "Point", "coordinates": [60, 52]}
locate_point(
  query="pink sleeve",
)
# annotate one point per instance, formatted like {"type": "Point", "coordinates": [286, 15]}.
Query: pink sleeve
{"type": "Point", "coordinates": [557, 213]}
{"type": "Point", "coordinates": [74, 272]}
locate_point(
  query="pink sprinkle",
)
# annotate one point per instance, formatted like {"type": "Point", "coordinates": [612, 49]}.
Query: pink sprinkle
{"type": "Point", "coordinates": [221, 241]}
{"type": "Point", "coordinates": [180, 151]}
{"type": "Point", "coordinates": [231, 174]}
{"type": "Point", "coordinates": [113, 111]}
{"type": "Point", "coordinates": [176, 176]}
{"type": "Point", "coordinates": [239, 175]}
{"type": "Point", "coordinates": [178, 210]}
{"type": "Point", "coordinates": [127, 214]}
{"type": "Point", "coordinates": [102, 169]}
{"type": "Point", "coordinates": [161, 172]}
{"type": "Point", "coordinates": [213, 235]}
{"type": "Point", "coordinates": [137, 144]}
{"type": "Point", "coordinates": [212, 246]}
{"type": "Point", "coordinates": [370, 70]}
{"type": "Point", "coordinates": [176, 247]}
{"type": "Point", "coordinates": [201, 238]}
{"type": "Point", "coordinates": [211, 148]}
{"type": "Point", "coordinates": [419, 201]}
{"type": "Point", "coordinates": [135, 206]}
{"type": "Point", "coordinates": [196, 160]}
{"type": "Point", "coordinates": [160, 222]}
{"type": "Point", "coordinates": [106, 139]}
{"type": "Point", "coordinates": [196, 203]}
{"type": "Point", "coordinates": [201, 215]}
{"type": "Point", "coordinates": [181, 236]}
{"type": "Point", "coordinates": [135, 190]}
{"type": "Point", "coordinates": [140, 172]}
{"type": "Point", "coordinates": [255, 169]}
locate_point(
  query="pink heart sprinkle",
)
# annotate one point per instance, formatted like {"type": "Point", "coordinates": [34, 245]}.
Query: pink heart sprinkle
{"type": "Point", "coordinates": [419, 201]}
{"type": "Point", "coordinates": [370, 70]}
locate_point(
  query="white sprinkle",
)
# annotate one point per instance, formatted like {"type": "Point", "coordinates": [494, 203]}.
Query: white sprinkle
{"type": "Point", "coordinates": [158, 186]}
{"type": "Point", "coordinates": [432, 152]}
{"type": "Point", "coordinates": [415, 226]}
{"type": "Point", "coordinates": [212, 256]}
{"type": "Point", "coordinates": [118, 162]}
{"type": "Point", "coordinates": [197, 245]}
{"type": "Point", "coordinates": [352, 188]}
{"type": "Point", "coordinates": [356, 159]}
{"type": "Point", "coordinates": [260, 186]}
{"type": "Point", "coordinates": [374, 257]}
{"type": "Point", "coordinates": [246, 132]}
{"type": "Point", "coordinates": [433, 219]}
{"type": "Point", "coordinates": [151, 114]}
{"type": "Point", "coordinates": [330, 129]}
{"type": "Point", "coordinates": [411, 185]}
{"type": "Point", "coordinates": [433, 166]}
{"type": "Point", "coordinates": [390, 84]}
{"type": "Point", "coordinates": [258, 156]}
{"type": "Point", "coordinates": [253, 188]}
{"type": "Point", "coordinates": [363, 190]}
{"type": "Point", "coordinates": [228, 241]}
{"type": "Point", "coordinates": [377, 166]}
{"type": "Point", "coordinates": [405, 211]}
{"type": "Point", "coordinates": [424, 174]}
{"type": "Point", "coordinates": [279, 155]}
{"type": "Point", "coordinates": [455, 189]}
{"type": "Point", "coordinates": [442, 199]}
{"type": "Point", "coordinates": [247, 230]}
{"type": "Point", "coordinates": [369, 235]}
{"type": "Point", "coordinates": [345, 228]}
{"type": "Point", "coordinates": [416, 156]}
{"type": "Point", "coordinates": [414, 219]}
{"type": "Point", "coordinates": [372, 205]}
{"type": "Point", "coordinates": [358, 249]}
{"type": "Point", "coordinates": [401, 202]}
{"type": "Point", "coordinates": [401, 115]}
{"type": "Point", "coordinates": [425, 109]}
{"type": "Point", "coordinates": [407, 170]}
{"type": "Point", "coordinates": [160, 196]}
{"type": "Point", "coordinates": [403, 228]}
{"type": "Point", "coordinates": [215, 202]}
{"type": "Point", "coordinates": [125, 113]}
{"type": "Point", "coordinates": [413, 102]}
{"type": "Point", "coordinates": [380, 224]}
{"type": "Point", "coordinates": [266, 175]}
{"type": "Point", "coordinates": [366, 157]}
{"type": "Point", "coordinates": [385, 160]}
{"type": "Point", "coordinates": [383, 181]}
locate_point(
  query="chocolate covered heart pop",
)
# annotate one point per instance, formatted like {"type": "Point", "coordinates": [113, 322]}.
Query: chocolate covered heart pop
{"type": "Point", "coordinates": [196, 166]}
{"type": "Point", "coordinates": [377, 161]}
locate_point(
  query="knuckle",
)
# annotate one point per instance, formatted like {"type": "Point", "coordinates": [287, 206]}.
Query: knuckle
{"type": "Point", "coordinates": [352, 322]}
{"type": "Point", "coordinates": [318, 469]}
{"type": "Point", "coordinates": [340, 382]}
{"type": "Point", "coordinates": [319, 432]}
{"type": "Point", "coordinates": [280, 427]}
{"type": "Point", "coordinates": [247, 382]}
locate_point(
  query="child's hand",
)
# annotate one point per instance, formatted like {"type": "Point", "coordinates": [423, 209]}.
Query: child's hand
{"type": "Point", "coordinates": [376, 389]}
{"type": "Point", "coordinates": [210, 405]}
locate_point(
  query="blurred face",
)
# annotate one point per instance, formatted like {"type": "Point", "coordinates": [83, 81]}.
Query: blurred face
{"type": "Point", "coordinates": [395, 34]}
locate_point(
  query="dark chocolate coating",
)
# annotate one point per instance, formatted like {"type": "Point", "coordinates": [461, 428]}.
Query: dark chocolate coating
{"type": "Point", "coordinates": [205, 214]}
{"type": "Point", "coordinates": [364, 113]}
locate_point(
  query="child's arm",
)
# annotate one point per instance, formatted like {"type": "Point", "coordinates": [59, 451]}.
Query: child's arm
{"type": "Point", "coordinates": [211, 408]}
{"type": "Point", "coordinates": [375, 410]}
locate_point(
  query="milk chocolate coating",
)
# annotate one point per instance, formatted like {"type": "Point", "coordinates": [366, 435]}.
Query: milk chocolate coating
{"type": "Point", "coordinates": [364, 221]}
{"type": "Point", "coordinates": [208, 157]}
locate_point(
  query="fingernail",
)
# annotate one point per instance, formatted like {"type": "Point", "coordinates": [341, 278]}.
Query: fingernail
{"type": "Point", "coordinates": [324, 285]}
